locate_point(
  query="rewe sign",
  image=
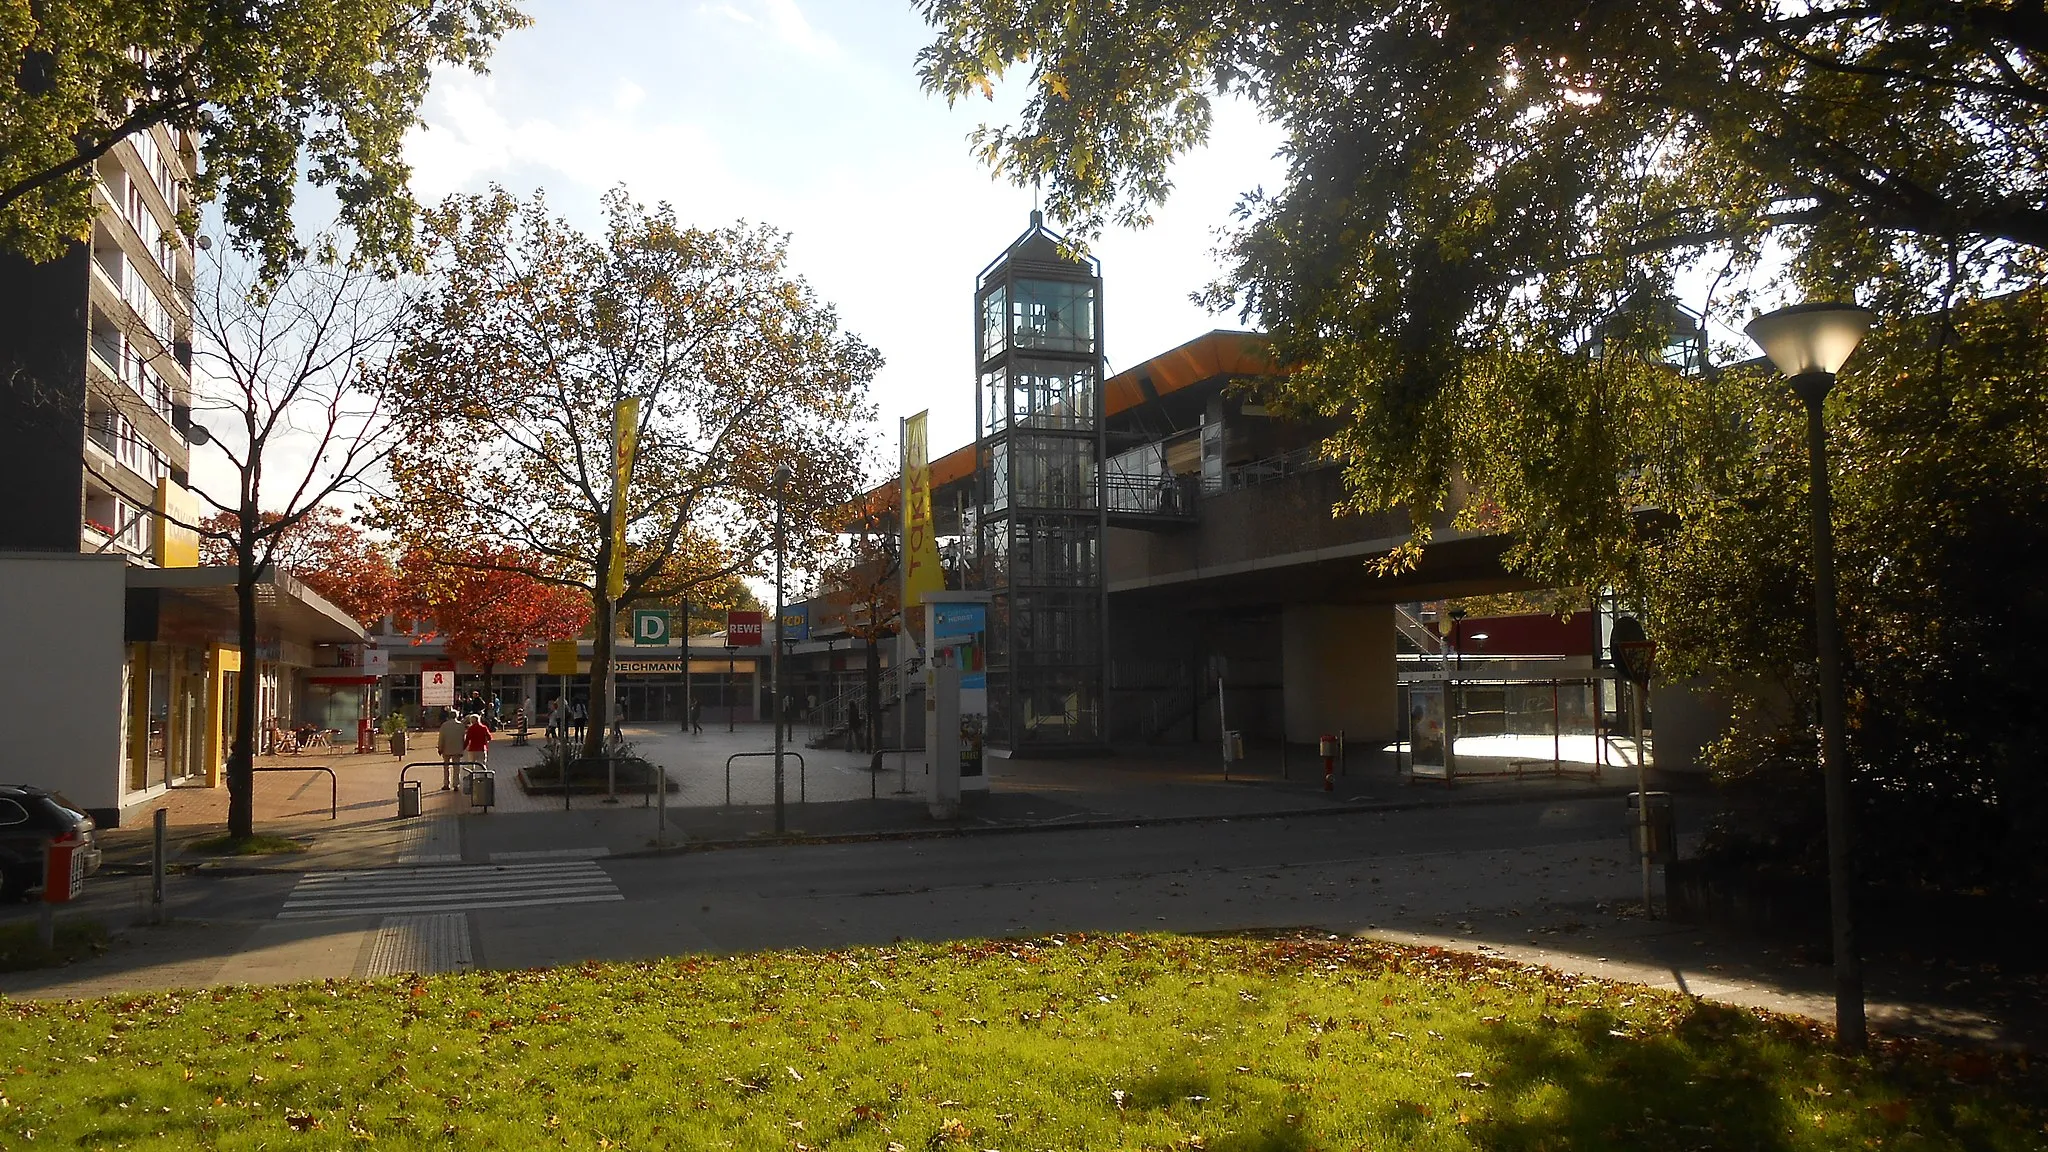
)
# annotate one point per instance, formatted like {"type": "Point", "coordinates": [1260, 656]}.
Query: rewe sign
{"type": "Point", "coordinates": [743, 630]}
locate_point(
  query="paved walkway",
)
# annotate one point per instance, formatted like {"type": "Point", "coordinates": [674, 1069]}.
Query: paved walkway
{"type": "Point", "coordinates": [364, 858]}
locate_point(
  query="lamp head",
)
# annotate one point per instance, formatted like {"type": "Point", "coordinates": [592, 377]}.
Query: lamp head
{"type": "Point", "coordinates": [1808, 339]}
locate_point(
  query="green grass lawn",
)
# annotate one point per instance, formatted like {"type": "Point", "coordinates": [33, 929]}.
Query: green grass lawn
{"type": "Point", "coordinates": [1152, 1042]}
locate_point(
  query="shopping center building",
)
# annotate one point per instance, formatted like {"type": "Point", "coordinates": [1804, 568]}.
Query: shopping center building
{"type": "Point", "coordinates": [1165, 557]}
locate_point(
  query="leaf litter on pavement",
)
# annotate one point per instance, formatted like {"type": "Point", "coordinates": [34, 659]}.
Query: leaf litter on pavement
{"type": "Point", "coordinates": [1289, 1041]}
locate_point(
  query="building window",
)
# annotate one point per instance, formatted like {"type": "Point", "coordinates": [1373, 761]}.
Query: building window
{"type": "Point", "coordinates": [994, 334]}
{"type": "Point", "coordinates": [1053, 314]}
{"type": "Point", "coordinates": [995, 401]}
{"type": "Point", "coordinates": [1052, 394]}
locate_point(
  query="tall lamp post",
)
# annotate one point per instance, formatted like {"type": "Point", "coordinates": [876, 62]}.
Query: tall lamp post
{"type": "Point", "coordinates": [775, 710]}
{"type": "Point", "coordinates": [1809, 344]}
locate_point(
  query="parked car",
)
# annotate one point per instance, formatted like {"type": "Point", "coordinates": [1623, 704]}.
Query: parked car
{"type": "Point", "coordinates": [31, 818]}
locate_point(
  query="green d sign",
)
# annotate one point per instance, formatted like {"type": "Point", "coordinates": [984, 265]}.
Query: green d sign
{"type": "Point", "coordinates": [650, 627]}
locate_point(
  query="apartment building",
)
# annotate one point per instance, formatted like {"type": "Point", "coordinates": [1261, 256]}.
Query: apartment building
{"type": "Point", "coordinates": [112, 637]}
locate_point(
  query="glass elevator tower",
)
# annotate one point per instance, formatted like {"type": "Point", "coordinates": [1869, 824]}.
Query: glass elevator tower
{"type": "Point", "coordinates": [1041, 516]}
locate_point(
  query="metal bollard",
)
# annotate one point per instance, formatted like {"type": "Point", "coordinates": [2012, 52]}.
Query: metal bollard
{"type": "Point", "coordinates": [159, 837]}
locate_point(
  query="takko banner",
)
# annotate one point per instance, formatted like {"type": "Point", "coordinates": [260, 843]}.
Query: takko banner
{"type": "Point", "coordinates": [921, 571]}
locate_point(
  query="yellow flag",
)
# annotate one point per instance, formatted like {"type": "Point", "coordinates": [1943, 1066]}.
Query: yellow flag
{"type": "Point", "coordinates": [921, 571]}
{"type": "Point", "coordinates": [625, 432]}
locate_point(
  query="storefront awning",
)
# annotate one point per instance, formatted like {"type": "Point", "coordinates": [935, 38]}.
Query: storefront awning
{"type": "Point", "coordinates": [284, 606]}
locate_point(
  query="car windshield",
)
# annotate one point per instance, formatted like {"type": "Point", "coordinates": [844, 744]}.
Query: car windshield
{"type": "Point", "coordinates": [64, 802]}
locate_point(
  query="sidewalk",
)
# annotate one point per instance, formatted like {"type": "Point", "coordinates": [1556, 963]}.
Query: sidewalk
{"type": "Point", "coordinates": [351, 823]}
{"type": "Point", "coordinates": [829, 794]}
{"type": "Point", "coordinates": [834, 794]}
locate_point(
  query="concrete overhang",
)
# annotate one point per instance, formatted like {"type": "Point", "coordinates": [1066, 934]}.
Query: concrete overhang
{"type": "Point", "coordinates": [283, 603]}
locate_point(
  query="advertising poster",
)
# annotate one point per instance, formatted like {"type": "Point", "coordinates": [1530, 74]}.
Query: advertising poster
{"type": "Point", "coordinates": [960, 640]}
{"type": "Point", "coordinates": [1428, 754]}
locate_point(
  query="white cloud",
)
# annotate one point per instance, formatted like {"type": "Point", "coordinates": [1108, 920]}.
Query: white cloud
{"type": "Point", "coordinates": [784, 19]}
{"type": "Point", "coordinates": [471, 142]}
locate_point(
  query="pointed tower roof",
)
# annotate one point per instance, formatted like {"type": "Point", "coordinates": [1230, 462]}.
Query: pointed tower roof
{"type": "Point", "coordinates": [1041, 246]}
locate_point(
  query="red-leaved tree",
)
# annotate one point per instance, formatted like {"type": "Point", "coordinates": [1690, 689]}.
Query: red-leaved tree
{"type": "Point", "coordinates": [487, 611]}
{"type": "Point", "coordinates": [325, 551]}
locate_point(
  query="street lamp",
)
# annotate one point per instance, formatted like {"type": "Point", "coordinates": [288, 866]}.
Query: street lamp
{"type": "Point", "coordinates": [775, 709]}
{"type": "Point", "coordinates": [1809, 343]}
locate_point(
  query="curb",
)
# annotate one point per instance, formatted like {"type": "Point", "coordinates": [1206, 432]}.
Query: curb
{"type": "Point", "coordinates": [1094, 825]}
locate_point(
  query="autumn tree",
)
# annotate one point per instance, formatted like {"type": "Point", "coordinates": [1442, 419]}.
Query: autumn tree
{"type": "Point", "coordinates": [535, 335]}
{"type": "Point", "coordinates": [284, 391]}
{"type": "Point", "coordinates": [486, 608]}
{"type": "Point", "coordinates": [319, 90]}
{"type": "Point", "coordinates": [325, 551]}
{"type": "Point", "coordinates": [864, 578]}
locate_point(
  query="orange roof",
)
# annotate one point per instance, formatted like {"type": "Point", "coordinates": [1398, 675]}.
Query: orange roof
{"type": "Point", "coordinates": [1219, 353]}
{"type": "Point", "coordinates": [1223, 352]}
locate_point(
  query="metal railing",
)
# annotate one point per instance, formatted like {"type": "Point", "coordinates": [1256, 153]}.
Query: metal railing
{"type": "Point", "coordinates": [802, 786]}
{"type": "Point", "coordinates": [333, 785]}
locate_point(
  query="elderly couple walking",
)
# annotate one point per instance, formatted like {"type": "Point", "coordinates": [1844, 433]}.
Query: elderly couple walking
{"type": "Point", "coordinates": [462, 739]}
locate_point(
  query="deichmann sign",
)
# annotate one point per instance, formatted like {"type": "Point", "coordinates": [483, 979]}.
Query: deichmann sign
{"type": "Point", "coordinates": [650, 627]}
{"type": "Point", "coordinates": [743, 630]}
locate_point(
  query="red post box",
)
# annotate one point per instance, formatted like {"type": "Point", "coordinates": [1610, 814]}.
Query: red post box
{"type": "Point", "coordinates": [63, 872]}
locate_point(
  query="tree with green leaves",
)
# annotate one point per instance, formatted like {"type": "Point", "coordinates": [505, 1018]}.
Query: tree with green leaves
{"type": "Point", "coordinates": [1489, 216]}
{"type": "Point", "coordinates": [324, 89]}
{"type": "Point", "coordinates": [1483, 198]}
{"type": "Point", "coordinates": [532, 337]}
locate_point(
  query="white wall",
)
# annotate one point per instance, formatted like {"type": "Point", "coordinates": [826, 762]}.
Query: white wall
{"type": "Point", "coordinates": [61, 656]}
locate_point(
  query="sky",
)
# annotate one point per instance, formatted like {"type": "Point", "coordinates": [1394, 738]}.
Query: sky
{"type": "Point", "coordinates": [807, 115]}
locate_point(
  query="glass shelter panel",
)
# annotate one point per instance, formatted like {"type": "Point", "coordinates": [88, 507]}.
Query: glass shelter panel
{"type": "Point", "coordinates": [995, 337]}
{"type": "Point", "coordinates": [1053, 550]}
{"type": "Point", "coordinates": [1054, 314]}
{"type": "Point", "coordinates": [1052, 394]}
{"type": "Point", "coordinates": [995, 400]}
{"type": "Point", "coordinates": [1052, 472]}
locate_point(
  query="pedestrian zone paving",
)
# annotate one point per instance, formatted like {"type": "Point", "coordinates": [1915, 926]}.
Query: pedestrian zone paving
{"type": "Point", "coordinates": [448, 888]}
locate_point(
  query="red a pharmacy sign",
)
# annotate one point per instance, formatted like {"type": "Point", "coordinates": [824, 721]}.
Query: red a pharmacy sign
{"type": "Point", "coordinates": [437, 687]}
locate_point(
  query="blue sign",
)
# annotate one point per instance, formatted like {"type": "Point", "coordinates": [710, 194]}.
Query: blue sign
{"type": "Point", "coordinates": [796, 622]}
{"type": "Point", "coordinates": [960, 638]}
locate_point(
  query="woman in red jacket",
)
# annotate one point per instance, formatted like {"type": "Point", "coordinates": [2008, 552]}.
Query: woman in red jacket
{"type": "Point", "coordinates": [476, 740]}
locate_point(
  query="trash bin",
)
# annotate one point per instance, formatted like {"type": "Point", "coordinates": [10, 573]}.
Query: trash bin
{"type": "Point", "coordinates": [1233, 743]}
{"type": "Point", "coordinates": [1663, 845]}
{"type": "Point", "coordinates": [483, 788]}
{"type": "Point", "coordinates": [408, 798]}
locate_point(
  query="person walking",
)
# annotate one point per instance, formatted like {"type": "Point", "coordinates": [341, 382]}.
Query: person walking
{"type": "Point", "coordinates": [696, 717]}
{"type": "Point", "coordinates": [453, 732]}
{"type": "Point", "coordinates": [856, 740]}
{"type": "Point", "coordinates": [579, 717]}
{"type": "Point", "coordinates": [476, 741]}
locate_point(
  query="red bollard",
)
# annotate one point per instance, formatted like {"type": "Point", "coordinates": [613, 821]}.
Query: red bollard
{"type": "Point", "coordinates": [1329, 750]}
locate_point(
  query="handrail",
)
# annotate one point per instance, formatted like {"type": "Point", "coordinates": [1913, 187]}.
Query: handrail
{"type": "Point", "coordinates": [802, 786]}
{"type": "Point", "coordinates": [333, 784]}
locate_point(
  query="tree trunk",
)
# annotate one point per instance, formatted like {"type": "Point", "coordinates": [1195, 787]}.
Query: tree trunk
{"type": "Point", "coordinates": [242, 756]}
{"type": "Point", "coordinates": [605, 615]}
{"type": "Point", "coordinates": [871, 718]}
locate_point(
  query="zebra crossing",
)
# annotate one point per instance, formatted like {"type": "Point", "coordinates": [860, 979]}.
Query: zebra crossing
{"type": "Point", "coordinates": [424, 891]}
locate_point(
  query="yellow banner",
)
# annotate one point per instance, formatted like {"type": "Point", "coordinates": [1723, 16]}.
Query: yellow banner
{"type": "Point", "coordinates": [625, 433]}
{"type": "Point", "coordinates": [921, 571]}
